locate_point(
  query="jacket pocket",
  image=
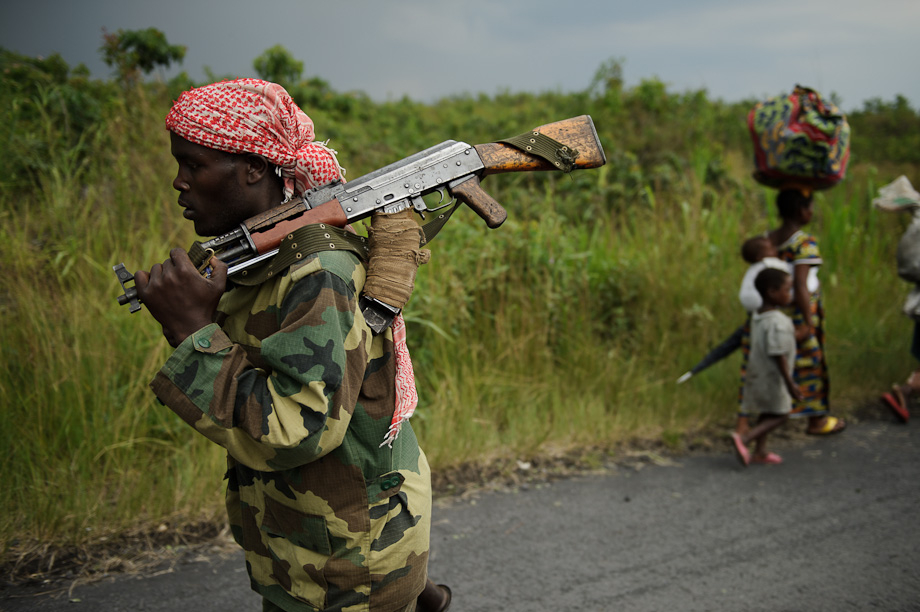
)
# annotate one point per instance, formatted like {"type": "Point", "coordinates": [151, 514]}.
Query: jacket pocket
{"type": "Point", "coordinates": [303, 530]}
{"type": "Point", "coordinates": [295, 548]}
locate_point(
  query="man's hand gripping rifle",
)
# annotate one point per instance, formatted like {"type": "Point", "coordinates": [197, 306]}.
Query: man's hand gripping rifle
{"type": "Point", "coordinates": [452, 166]}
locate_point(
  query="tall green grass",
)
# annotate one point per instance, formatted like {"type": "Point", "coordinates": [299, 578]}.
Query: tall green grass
{"type": "Point", "coordinates": [87, 453]}
{"type": "Point", "coordinates": [564, 329]}
{"type": "Point", "coordinates": [574, 333]}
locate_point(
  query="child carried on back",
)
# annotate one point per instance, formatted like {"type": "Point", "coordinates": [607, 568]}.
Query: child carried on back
{"type": "Point", "coordinates": [768, 386]}
{"type": "Point", "coordinates": [760, 253]}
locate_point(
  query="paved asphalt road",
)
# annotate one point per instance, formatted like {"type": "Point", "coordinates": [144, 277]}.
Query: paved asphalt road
{"type": "Point", "coordinates": [835, 528]}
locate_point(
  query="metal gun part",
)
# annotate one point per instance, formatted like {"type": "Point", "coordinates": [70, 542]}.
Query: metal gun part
{"type": "Point", "coordinates": [130, 293]}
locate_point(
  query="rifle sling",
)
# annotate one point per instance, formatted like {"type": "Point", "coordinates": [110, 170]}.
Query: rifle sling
{"type": "Point", "coordinates": [541, 145]}
{"type": "Point", "coordinates": [431, 229]}
{"type": "Point", "coordinates": [300, 243]}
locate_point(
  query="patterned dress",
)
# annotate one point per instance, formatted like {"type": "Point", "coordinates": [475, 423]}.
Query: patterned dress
{"type": "Point", "coordinates": [810, 371]}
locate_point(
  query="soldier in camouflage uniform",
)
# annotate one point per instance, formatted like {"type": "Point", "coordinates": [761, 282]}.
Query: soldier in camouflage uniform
{"type": "Point", "coordinates": [286, 375]}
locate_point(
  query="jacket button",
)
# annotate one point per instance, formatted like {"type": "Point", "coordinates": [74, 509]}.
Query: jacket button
{"type": "Point", "coordinates": [204, 342]}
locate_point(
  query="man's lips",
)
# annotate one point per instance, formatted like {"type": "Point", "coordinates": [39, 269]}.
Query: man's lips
{"type": "Point", "coordinates": [188, 213]}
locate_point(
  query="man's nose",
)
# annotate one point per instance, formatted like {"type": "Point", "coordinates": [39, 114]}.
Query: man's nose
{"type": "Point", "coordinates": [180, 184]}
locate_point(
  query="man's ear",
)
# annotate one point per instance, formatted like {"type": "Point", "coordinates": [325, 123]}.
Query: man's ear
{"type": "Point", "coordinates": [257, 168]}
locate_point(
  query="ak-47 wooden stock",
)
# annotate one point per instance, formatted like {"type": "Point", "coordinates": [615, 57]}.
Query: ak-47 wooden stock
{"type": "Point", "coordinates": [577, 133]}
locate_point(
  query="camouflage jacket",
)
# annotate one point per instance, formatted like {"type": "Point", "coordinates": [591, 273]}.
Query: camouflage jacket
{"type": "Point", "coordinates": [293, 384]}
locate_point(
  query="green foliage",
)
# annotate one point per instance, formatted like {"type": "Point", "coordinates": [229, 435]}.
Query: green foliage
{"type": "Point", "coordinates": [608, 79]}
{"type": "Point", "coordinates": [278, 66]}
{"type": "Point", "coordinates": [565, 328]}
{"type": "Point", "coordinates": [886, 131]}
{"type": "Point", "coordinates": [49, 117]}
{"type": "Point", "coordinates": [132, 52]}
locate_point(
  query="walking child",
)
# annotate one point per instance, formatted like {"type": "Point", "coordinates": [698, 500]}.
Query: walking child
{"type": "Point", "coordinates": [760, 253]}
{"type": "Point", "coordinates": [768, 386]}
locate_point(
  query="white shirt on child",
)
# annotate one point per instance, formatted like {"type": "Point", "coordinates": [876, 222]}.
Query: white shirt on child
{"type": "Point", "coordinates": [750, 299]}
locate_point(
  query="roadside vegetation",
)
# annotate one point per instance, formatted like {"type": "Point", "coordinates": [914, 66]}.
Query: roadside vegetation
{"type": "Point", "coordinates": [561, 332]}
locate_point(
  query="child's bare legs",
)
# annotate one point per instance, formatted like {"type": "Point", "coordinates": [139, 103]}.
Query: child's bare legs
{"type": "Point", "coordinates": [758, 434]}
{"type": "Point", "coordinates": [742, 425]}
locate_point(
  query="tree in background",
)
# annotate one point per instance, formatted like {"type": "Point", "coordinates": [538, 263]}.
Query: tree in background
{"type": "Point", "coordinates": [886, 131]}
{"type": "Point", "coordinates": [132, 52]}
{"type": "Point", "coordinates": [278, 66]}
{"type": "Point", "coordinates": [47, 112]}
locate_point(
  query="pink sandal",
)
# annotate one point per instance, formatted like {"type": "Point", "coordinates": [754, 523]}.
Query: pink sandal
{"type": "Point", "coordinates": [768, 459]}
{"type": "Point", "coordinates": [895, 401]}
{"type": "Point", "coordinates": [741, 451]}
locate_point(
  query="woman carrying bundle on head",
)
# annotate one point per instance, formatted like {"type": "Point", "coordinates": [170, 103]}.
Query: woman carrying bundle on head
{"type": "Point", "coordinates": [800, 250]}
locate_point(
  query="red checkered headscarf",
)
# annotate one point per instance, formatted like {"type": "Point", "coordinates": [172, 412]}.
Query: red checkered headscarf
{"type": "Point", "coordinates": [253, 116]}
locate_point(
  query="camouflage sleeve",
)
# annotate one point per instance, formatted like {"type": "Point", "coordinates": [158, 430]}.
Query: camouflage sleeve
{"type": "Point", "coordinates": [301, 409]}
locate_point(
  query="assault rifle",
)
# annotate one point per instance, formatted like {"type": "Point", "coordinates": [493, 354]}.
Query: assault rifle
{"type": "Point", "coordinates": [452, 166]}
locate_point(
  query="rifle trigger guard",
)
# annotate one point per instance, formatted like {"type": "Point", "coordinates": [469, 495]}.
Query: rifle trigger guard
{"type": "Point", "coordinates": [440, 191]}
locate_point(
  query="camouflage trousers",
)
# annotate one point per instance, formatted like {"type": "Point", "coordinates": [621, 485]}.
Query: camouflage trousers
{"type": "Point", "coordinates": [268, 606]}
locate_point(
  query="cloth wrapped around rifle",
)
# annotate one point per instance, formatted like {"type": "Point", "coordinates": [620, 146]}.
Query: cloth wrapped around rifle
{"type": "Point", "coordinates": [395, 254]}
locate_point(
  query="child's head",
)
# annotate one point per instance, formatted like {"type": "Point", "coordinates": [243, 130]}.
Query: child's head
{"type": "Point", "coordinates": [795, 205]}
{"type": "Point", "coordinates": [756, 248]}
{"type": "Point", "coordinates": [774, 287]}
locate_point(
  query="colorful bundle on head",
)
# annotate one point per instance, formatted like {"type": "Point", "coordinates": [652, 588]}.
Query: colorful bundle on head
{"type": "Point", "coordinates": [800, 141]}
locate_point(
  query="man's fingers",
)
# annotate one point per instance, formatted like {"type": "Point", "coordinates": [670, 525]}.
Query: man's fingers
{"type": "Point", "coordinates": [141, 278]}
{"type": "Point", "coordinates": [180, 259]}
{"type": "Point", "coordinates": [218, 272]}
